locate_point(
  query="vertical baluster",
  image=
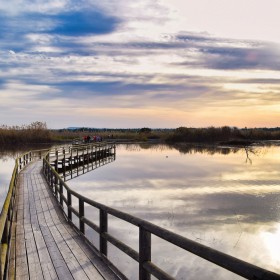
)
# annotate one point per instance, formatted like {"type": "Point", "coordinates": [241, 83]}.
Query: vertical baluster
{"type": "Point", "coordinates": [83, 160]}
{"type": "Point", "coordinates": [64, 165]}
{"type": "Point", "coordinates": [61, 193]}
{"type": "Point", "coordinates": [87, 158]}
{"type": "Point", "coordinates": [91, 156]}
{"type": "Point", "coordinates": [71, 162]}
{"type": "Point", "coordinates": [103, 229]}
{"type": "Point", "coordinates": [69, 204]}
{"type": "Point", "coordinates": [56, 186]}
{"type": "Point", "coordinates": [144, 253]}
{"type": "Point", "coordinates": [78, 162]}
{"type": "Point", "coordinates": [81, 215]}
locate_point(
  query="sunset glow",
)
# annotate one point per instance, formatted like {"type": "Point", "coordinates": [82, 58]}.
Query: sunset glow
{"type": "Point", "coordinates": [145, 63]}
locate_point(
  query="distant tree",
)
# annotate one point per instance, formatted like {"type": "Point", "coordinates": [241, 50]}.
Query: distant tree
{"type": "Point", "coordinates": [145, 130]}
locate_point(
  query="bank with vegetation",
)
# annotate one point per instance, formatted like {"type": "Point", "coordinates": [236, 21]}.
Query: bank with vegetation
{"type": "Point", "coordinates": [223, 135]}
{"type": "Point", "coordinates": [37, 132]}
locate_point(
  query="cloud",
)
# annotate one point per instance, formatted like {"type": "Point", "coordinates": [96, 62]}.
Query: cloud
{"type": "Point", "coordinates": [229, 54]}
{"type": "Point", "coordinates": [18, 31]}
{"type": "Point", "coordinates": [102, 53]}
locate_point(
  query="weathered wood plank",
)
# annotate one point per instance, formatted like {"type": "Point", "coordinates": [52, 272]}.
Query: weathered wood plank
{"type": "Point", "coordinates": [34, 265]}
{"type": "Point", "coordinates": [21, 258]}
{"type": "Point", "coordinates": [72, 263]}
{"type": "Point", "coordinates": [71, 235]}
{"type": "Point", "coordinates": [47, 247]}
{"type": "Point", "coordinates": [46, 262]}
{"type": "Point", "coordinates": [55, 262]}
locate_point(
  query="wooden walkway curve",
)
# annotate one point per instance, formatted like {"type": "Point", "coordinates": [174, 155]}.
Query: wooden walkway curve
{"type": "Point", "coordinates": [46, 246]}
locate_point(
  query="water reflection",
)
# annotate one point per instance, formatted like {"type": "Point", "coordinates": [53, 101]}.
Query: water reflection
{"type": "Point", "coordinates": [7, 163]}
{"type": "Point", "coordinates": [214, 196]}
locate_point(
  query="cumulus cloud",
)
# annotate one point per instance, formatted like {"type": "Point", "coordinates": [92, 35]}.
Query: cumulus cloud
{"type": "Point", "coordinates": [109, 52]}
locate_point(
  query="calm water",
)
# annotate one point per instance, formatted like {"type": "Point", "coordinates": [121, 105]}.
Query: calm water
{"type": "Point", "coordinates": [7, 163]}
{"type": "Point", "coordinates": [226, 199]}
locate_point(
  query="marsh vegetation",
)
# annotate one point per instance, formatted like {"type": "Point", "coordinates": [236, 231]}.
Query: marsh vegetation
{"type": "Point", "coordinates": [38, 132]}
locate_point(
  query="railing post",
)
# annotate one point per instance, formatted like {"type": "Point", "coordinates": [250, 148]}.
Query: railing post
{"type": "Point", "coordinates": [71, 162]}
{"type": "Point", "coordinates": [60, 193]}
{"type": "Point", "coordinates": [103, 229]}
{"type": "Point", "coordinates": [95, 155]}
{"type": "Point", "coordinates": [83, 161]}
{"type": "Point", "coordinates": [81, 215]}
{"type": "Point", "coordinates": [87, 159]}
{"type": "Point", "coordinates": [69, 204]}
{"type": "Point", "coordinates": [56, 186]}
{"type": "Point", "coordinates": [91, 156]}
{"type": "Point", "coordinates": [114, 152]}
{"type": "Point", "coordinates": [56, 161]}
{"type": "Point", "coordinates": [52, 181]}
{"type": "Point", "coordinates": [144, 253]}
{"type": "Point", "coordinates": [78, 162]}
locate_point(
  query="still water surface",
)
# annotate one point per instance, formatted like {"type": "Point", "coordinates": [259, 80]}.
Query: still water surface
{"type": "Point", "coordinates": [228, 199]}
{"type": "Point", "coordinates": [7, 164]}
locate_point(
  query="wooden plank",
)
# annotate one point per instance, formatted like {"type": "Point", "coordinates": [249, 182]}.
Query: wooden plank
{"type": "Point", "coordinates": [69, 258]}
{"type": "Point", "coordinates": [75, 241]}
{"type": "Point", "coordinates": [82, 258]}
{"type": "Point", "coordinates": [34, 266]}
{"type": "Point", "coordinates": [46, 262]}
{"type": "Point", "coordinates": [21, 258]}
{"type": "Point", "coordinates": [47, 247]}
{"type": "Point", "coordinates": [80, 245]}
{"type": "Point", "coordinates": [55, 261]}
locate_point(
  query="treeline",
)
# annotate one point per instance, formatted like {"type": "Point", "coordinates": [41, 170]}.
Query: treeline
{"type": "Point", "coordinates": [36, 132]}
{"type": "Point", "coordinates": [222, 134]}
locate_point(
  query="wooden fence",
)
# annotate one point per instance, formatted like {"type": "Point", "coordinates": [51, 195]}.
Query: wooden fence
{"type": "Point", "coordinates": [73, 161]}
{"type": "Point", "coordinates": [7, 217]}
{"type": "Point", "coordinates": [65, 195]}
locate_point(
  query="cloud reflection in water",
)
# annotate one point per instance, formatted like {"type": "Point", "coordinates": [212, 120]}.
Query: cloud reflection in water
{"type": "Point", "coordinates": [212, 196]}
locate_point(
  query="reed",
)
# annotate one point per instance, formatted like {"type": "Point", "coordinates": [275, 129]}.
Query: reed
{"type": "Point", "coordinates": [36, 132]}
{"type": "Point", "coordinates": [232, 135]}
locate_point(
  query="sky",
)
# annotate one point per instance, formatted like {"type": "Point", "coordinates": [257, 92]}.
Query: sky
{"type": "Point", "coordinates": [140, 63]}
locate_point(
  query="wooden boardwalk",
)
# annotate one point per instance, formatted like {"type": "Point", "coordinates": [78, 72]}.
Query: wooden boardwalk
{"type": "Point", "coordinates": [46, 246]}
{"type": "Point", "coordinates": [37, 242]}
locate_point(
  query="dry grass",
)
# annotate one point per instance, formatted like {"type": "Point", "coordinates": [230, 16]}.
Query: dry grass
{"type": "Point", "coordinates": [35, 132]}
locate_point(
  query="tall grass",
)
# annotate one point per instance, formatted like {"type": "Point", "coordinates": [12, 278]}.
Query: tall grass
{"type": "Point", "coordinates": [112, 134]}
{"type": "Point", "coordinates": [222, 134]}
{"type": "Point", "coordinates": [36, 132]}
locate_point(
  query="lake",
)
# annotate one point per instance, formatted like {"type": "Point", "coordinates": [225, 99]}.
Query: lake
{"type": "Point", "coordinates": [225, 198]}
{"type": "Point", "coordinates": [228, 199]}
{"type": "Point", "coordinates": [7, 164]}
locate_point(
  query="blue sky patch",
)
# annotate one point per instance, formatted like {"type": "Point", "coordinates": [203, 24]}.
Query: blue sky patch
{"type": "Point", "coordinates": [83, 23]}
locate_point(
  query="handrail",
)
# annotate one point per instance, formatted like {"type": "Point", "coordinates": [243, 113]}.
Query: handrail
{"type": "Point", "coordinates": [73, 159]}
{"type": "Point", "coordinates": [146, 230]}
{"type": "Point", "coordinates": [7, 216]}
{"type": "Point", "coordinates": [8, 210]}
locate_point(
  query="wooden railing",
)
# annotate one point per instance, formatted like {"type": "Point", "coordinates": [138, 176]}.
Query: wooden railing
{"type": "Point", "coordinates": [73, 161]}
{"type": "Point", "coordinates": [7, 216]}
{"type": "Point", "coordinates": [64, 194]}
